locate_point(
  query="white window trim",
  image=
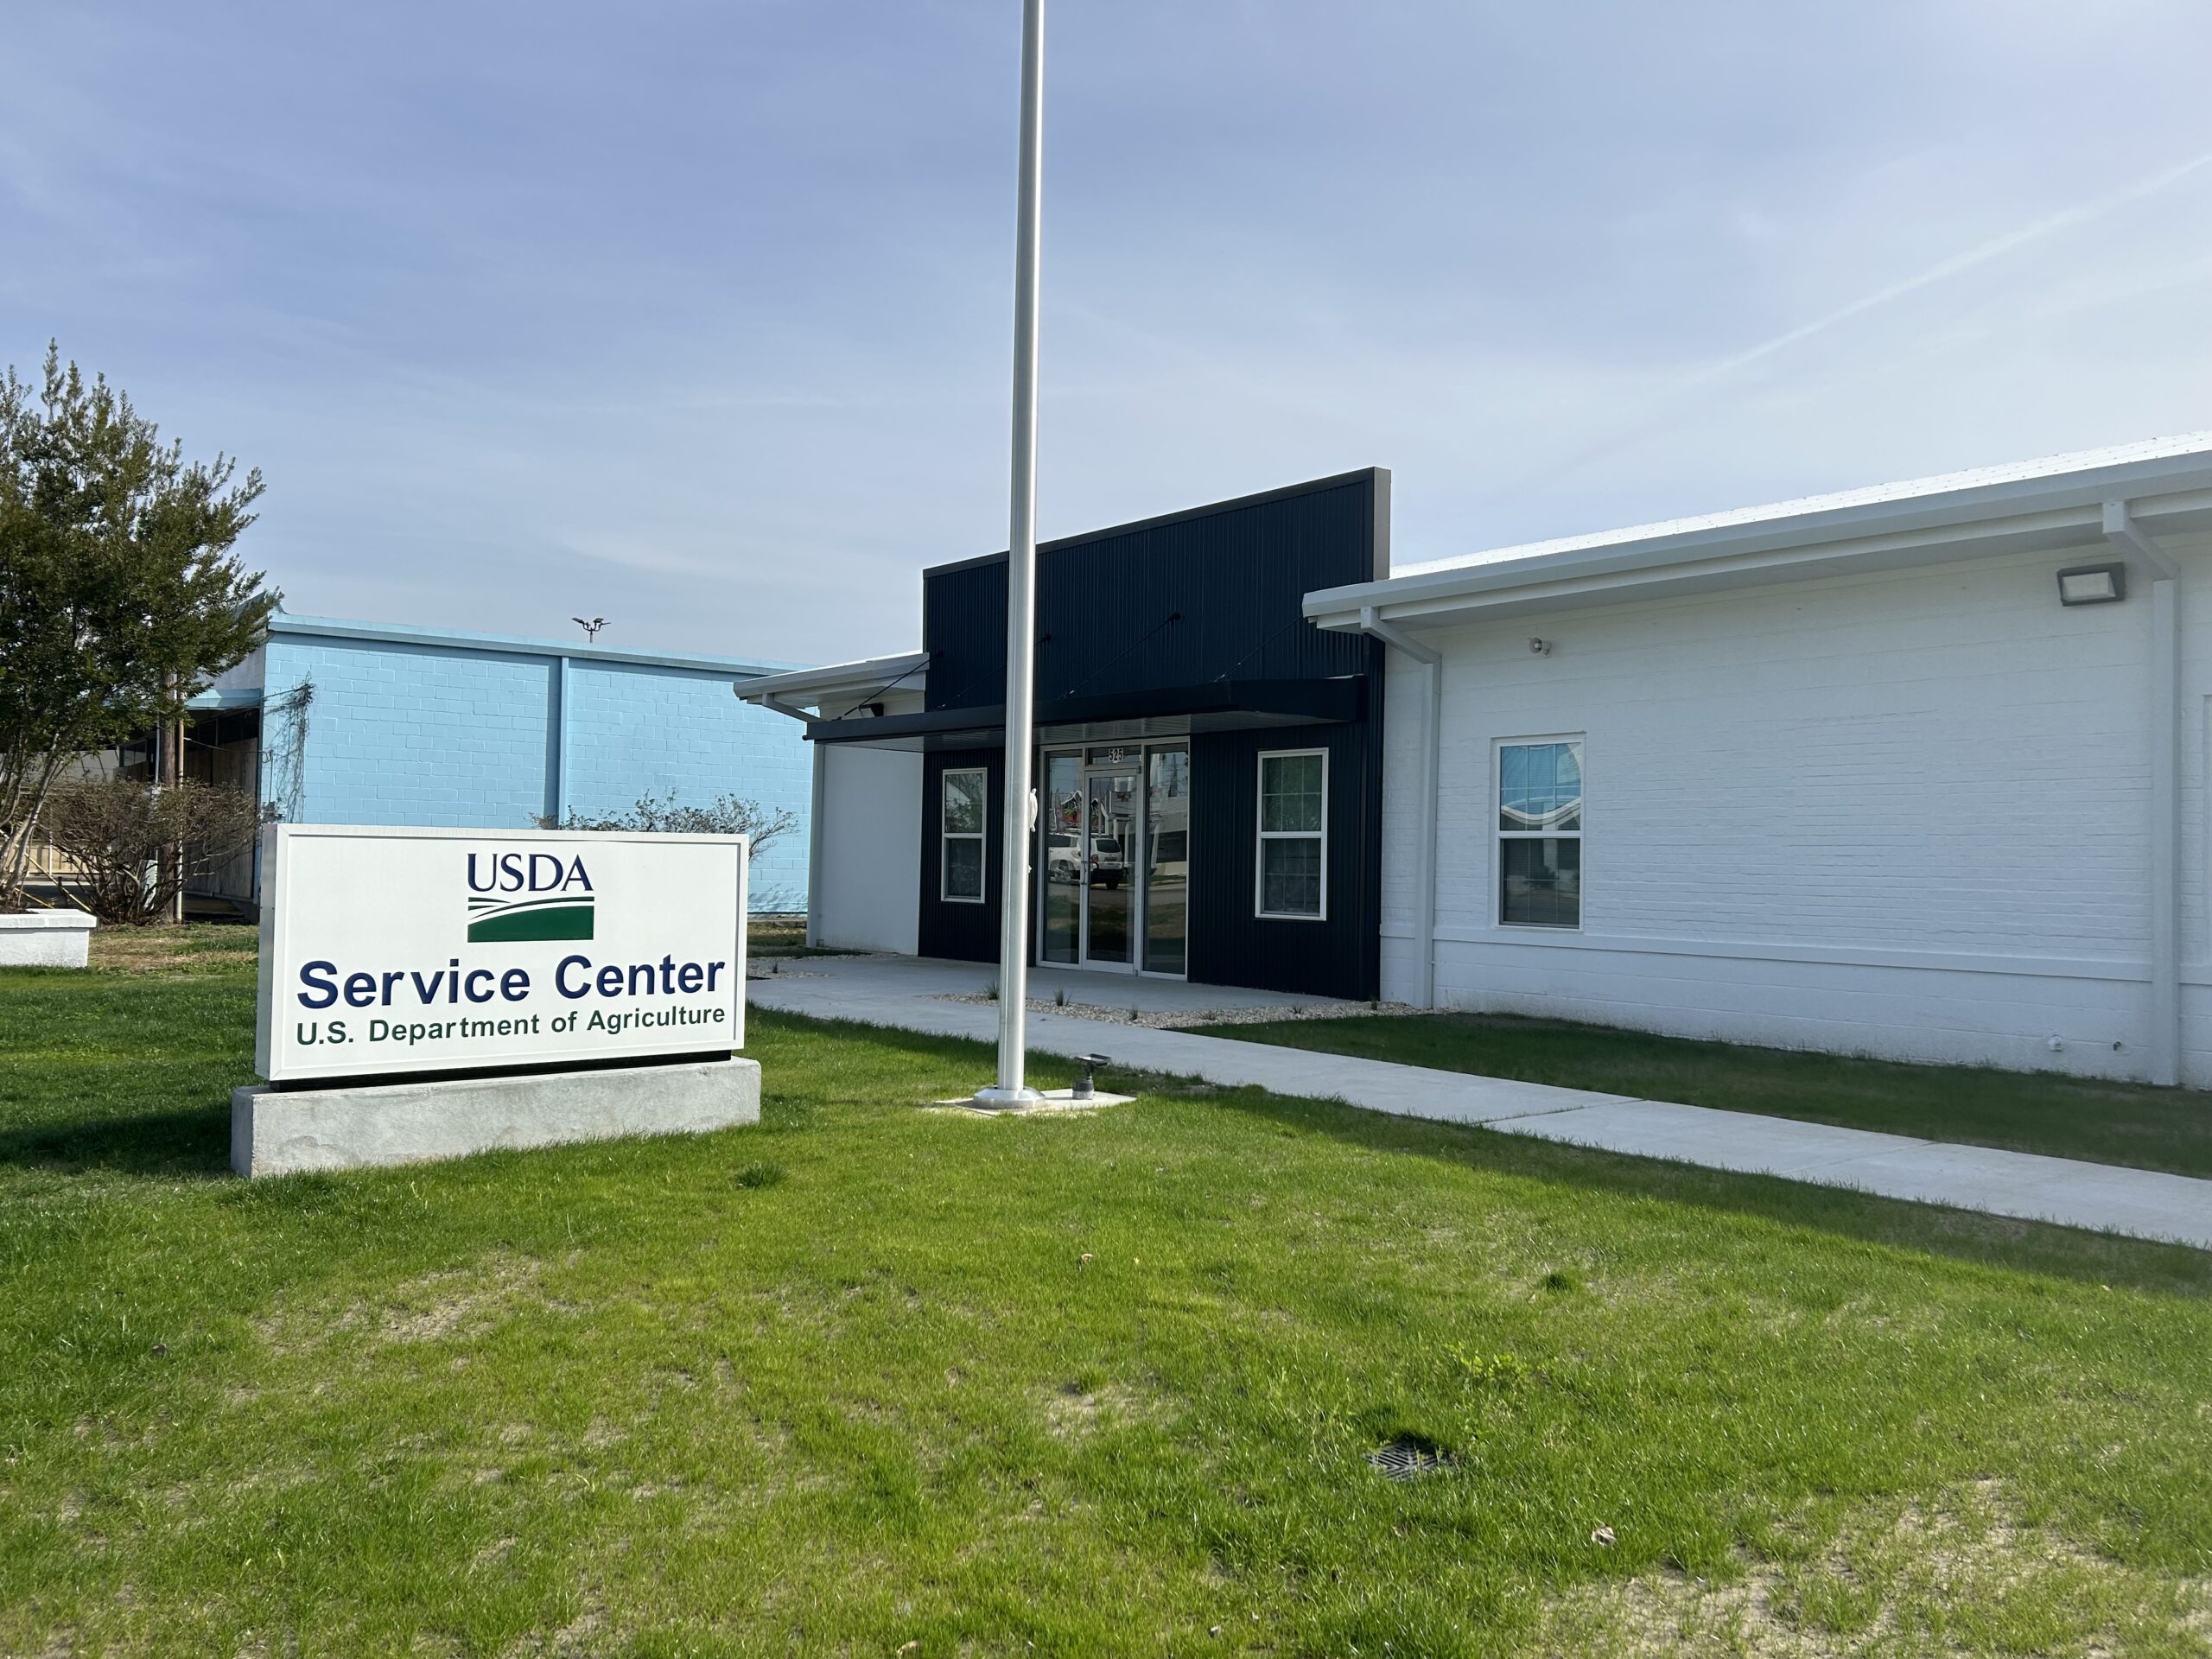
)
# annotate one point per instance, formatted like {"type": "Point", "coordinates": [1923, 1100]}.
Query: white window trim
{"type": "Point", "coordinates": [945, 836]}
{"type": "Point", "coordinates": [1498, 837]}
{"type": "Point", "coordinates": [1262, 836]}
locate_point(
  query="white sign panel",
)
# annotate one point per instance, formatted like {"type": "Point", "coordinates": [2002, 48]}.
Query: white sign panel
{"type": "Point", "coordinates": [397, 950]}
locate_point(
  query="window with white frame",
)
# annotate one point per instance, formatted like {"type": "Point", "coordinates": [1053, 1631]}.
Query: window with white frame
{"type": "Point", "coordinates": [1294, 852]}
{"type": "Point", "coordinates": [960, 831]}
{"type": "Point", "coordinates": [1540, 833]}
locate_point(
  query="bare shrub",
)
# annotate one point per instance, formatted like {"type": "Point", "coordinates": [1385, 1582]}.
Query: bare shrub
{"type": "Point", "coordinates": [116, 832]}
{"type": "Point", "coordinates": [663, 815]}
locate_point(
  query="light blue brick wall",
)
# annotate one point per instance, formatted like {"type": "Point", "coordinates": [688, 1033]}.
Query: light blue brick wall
{"type": "Point", "coordinates": [420, 734]}
{"type": "Point", "coordinates": [636, 729]}
{"type": "Point", "coordinates": [456, 736]}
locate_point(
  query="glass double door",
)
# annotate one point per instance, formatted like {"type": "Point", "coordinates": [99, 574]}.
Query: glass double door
{"type": "Point", "coordinates": [1115, 859]}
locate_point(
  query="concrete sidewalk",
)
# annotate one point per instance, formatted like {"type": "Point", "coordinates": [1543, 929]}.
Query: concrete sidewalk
{"type": "Point", "coordinates": [912, 994]}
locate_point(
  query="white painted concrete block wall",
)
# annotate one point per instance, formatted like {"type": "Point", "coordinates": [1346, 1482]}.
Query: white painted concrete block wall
{"type": "Point", "coordinates": [869, 882]}
{"type": "Point", "coordinates": [1899, 814]}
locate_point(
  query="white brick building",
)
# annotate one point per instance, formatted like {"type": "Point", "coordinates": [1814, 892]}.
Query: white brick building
{"type": "Point", "coordinates": [1842, 773]}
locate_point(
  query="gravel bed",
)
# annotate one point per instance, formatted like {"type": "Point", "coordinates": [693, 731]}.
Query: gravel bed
{"type": "Point", "coordinates": [1181, 1019]}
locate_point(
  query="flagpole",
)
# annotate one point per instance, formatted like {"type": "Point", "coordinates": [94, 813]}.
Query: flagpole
{"type": "Point", "coordinates": [1021, 585]}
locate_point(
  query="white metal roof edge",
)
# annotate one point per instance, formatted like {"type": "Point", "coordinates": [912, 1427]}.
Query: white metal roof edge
{"type": "Point", "coordinates": [2138, 473]}
{"type": "Point", "coordinates": [909, 670]}
{"type": "Point", "coordinates": [284, 622]}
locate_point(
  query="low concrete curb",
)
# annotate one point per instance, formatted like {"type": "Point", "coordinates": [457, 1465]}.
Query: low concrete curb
{"type": "Point", "coordinates": [46, 938]}
{"type": "Point", "coordinates": [281, 1132]}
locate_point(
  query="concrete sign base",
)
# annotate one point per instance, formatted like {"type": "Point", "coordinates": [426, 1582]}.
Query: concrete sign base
{"type": "Point", "coordinates": [281, 1132]}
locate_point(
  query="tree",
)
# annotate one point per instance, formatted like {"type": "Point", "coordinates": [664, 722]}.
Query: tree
{"type": "Point", "coordinates": [119, 594]}
{"type": "Point", "coordinates": [135, 846]}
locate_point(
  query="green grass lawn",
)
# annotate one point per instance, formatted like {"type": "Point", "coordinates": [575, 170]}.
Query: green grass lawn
{"type": "Point", "coordinates": [769, 936]}
{"type": "Point", "coordinates": [877, 1380]}
{"type": "Point", "coordinates": [2106, 1122]}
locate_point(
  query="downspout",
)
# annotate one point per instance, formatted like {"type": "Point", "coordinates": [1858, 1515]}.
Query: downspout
{"type": "Point", "coordinates": [814, 817]}
{"type": "Point", "coordinates": [1431, 763]}
{"type": "Point", "coordinates": [2125, 534]}
{"type": "Point", "coordinates": [560, 747]}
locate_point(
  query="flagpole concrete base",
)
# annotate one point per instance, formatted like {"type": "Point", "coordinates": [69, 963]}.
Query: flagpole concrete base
{"type": "Point", "coordinates": [281, 1132]}
{"type": "Point", "coordinates": [999, 1103]}
{"type": "Point", "coordinates": [996, 1099]}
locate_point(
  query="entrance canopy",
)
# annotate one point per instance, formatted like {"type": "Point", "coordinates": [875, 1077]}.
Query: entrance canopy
{"type": "Point", "coordinates": [1171, 711]}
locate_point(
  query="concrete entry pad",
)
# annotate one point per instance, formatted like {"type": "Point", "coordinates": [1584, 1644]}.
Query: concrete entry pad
{"type": "Point", "coordinates": [277, 1132]}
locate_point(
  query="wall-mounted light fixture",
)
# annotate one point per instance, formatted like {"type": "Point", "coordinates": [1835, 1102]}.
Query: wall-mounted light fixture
{"type": "Point", "coordinates": [2093, 584]}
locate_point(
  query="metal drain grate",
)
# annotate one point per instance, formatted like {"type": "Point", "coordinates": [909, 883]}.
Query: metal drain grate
{"type": "Point", "coordinates": [1407, 1458]}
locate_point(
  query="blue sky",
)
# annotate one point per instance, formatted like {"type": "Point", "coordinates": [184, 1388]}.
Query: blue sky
{"type": "Point", "coordinates": [696, 317]}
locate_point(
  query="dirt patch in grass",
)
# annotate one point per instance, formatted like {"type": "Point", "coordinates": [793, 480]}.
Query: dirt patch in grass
{"type": "Point", "coordinates": [198, 947]}
{"type": "Point", "coordinates": [463, 1301]}
{"type": "Point", "coordinates": [585, 1633]}
{"type": "Point", "coordinates": [1966, 1575]}
{"type": "Point", "coordinates": [1073, 1409]}
{"type": "Point", "coordinates": [455, 1301]}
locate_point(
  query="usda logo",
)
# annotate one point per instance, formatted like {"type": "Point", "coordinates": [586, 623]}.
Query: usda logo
{"type": "Point", "coordinates": [518, 896]}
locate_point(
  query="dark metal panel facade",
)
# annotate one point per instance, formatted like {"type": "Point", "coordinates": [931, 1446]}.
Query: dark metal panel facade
{"type": "Point", "coordinates": [963, 630]}
{"type": "Point", "coordinates": [1230, 944]}
{"type": "Point", "coordinates": [1127, 616]}
{"type": "Point", "coordinates": [1210, 595]}
{"type": "Point", "coordinates": [964, 932]}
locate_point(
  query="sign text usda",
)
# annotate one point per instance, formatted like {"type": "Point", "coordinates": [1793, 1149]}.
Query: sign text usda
{"type": "Point", "coordinates": [387, 951]}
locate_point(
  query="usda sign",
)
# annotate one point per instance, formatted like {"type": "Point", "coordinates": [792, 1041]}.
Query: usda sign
{"type": "Point", "coordinates": [447, 950]}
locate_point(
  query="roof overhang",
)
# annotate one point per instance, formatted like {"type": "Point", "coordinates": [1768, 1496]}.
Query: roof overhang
{"type": "Point", "coordinates": [840, 685]}
{"type": "Point", "coordinates": [909, 670]}
{"type": "Point", "coordinates": [229, 699]}
{"type": "Point", "coordinates": [2027, 515]}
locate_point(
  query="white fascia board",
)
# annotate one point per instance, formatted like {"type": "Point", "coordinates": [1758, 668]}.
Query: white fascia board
{"type": "Point", "coordinates": [510, 644]}
{"type": "Point", "coordinates": [2163, 466]}
{"type": "Point", "coordinates": [909, 672]}
{"type": "Point", "coordinates": [2014, 516]}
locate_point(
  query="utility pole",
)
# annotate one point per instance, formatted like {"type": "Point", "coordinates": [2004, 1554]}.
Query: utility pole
{"type": "Point", "coordinates": [1013, 1089]}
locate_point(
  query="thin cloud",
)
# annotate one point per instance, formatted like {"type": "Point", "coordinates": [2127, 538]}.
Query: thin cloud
{"type": "Point", "coordinates": [705, 311]}
{"type": "Point", "coordinates": [1659, 412]}
{"type": "Point", "coordinates": [1996, 248]}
